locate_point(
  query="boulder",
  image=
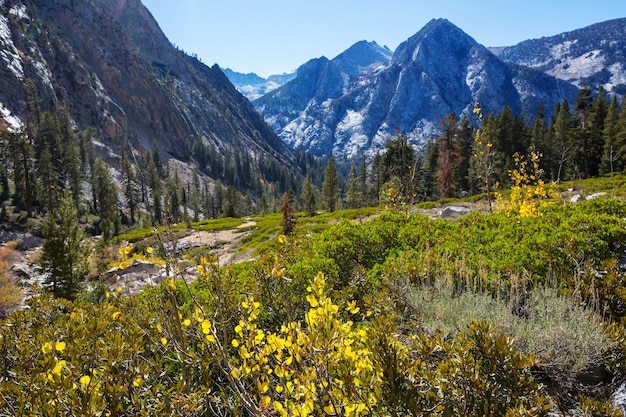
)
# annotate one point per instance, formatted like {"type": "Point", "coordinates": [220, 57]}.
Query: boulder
{"type": "Point", "coordinates": [23, 271]}
{"type": "Point", "coordinates": [594, 196]}
{"type": "Point", "coordinates": [576, 198]}
{"type": "Point", "coordinates": [140, 269]}
{"type": "Point", "coordinates": [452, 212]}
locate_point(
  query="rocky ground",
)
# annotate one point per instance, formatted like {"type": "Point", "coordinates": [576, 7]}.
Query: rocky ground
{"type": "Point", "coordinates": [139, 274]}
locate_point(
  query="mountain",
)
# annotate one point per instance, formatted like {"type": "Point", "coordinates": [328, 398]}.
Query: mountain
{"type": "Point", "coordinates": [593, 56]}
{"type": "Point", "coordinates": [360, 58]}
{"type": "Point", "coordinates": [110, 64]}
{"type": "Point", "coordinates": [253, 86]}
{"type": "Point", "coordinates": [438, 71]}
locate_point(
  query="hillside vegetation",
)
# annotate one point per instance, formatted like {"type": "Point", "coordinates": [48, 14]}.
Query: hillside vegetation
{"type": "Point", "coordinates": [390, 312]}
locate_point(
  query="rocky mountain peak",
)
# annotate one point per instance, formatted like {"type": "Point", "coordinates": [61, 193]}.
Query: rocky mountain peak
{"type": "Point", "coordinates": [361, 56]}
{"type": "Point", "coordinates": [438, 37]}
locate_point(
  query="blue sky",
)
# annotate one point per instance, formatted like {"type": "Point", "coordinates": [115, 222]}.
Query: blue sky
{"type": "Point", "coordinates": [277, 36]}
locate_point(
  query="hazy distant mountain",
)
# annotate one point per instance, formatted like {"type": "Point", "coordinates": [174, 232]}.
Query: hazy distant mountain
{"type": "Point", "coordinates": [114, 69]}
{"type": "Point", "coordinates": [593, 56]}
{"type": "Point", "coordinates": [437, 71]}
{"type": "Point", "coordinates": [360, 58]}
{"type": "Point", "coordinates": [253, 86]}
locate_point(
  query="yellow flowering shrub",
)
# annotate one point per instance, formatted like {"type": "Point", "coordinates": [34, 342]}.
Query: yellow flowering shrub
{"type": "Point", "coordinates": [528, 192]}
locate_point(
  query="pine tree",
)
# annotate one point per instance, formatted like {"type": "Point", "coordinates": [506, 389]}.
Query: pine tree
{"type": "Point", "coordinates": [486, 161]}
{"type": "Point", "coordinates": [399, 161]}
{"type": "Point", "coordinates": [231, 199]}
{"type": "Point", "coordinates": [218, 192]}
{"type": "Point", "coordinates": [128, 180]}
{"type": "Point", "coordinates": [353, 195]}
{"type": "Point", "coordinates": [600, 109]}
{"type": "Point", "coordinates": [465, 140]}
{"type": "Point", "coordinates": [70, 168]}
{"type": "Point", "coordinates": [429, 170]}
{"type": "Point", "coordinates": [307, 196]}
{"type": "Point", "coordinates": [105, 199]}
{"type": "Point", "coordinates": [172, 199]}
{"type": "Point", "coordinates": [47, 177]}
{"type": "Point", "coordinates": [32, 102]}
{"type": "Point", "coordinates": [611, 162]}
{"type": "Point", "coordinates": [448, 156]}
{"type": "Point", "coordinates": [330, 186]}
{"type": "Point", "coordinates": [63, 257]}
{"type": "Point", "coordinates": [376, 178]}
{"type": "Point", "coordinates": [620, 137]}
{"type": "Point", "coordinates": [22, 153]}
{"type": "Point", "coordinates": [363, 188]}
{"type": "Point", "coordinates": [194, 197]}
{"type": "Point", "coordinates": [289, 219]}
{"type": "Point", "coordinates": [561, 148]}
{"type": "Point", "coordinates": [502, 141]}
{"type": "Point", "coordinates": [579, 164]}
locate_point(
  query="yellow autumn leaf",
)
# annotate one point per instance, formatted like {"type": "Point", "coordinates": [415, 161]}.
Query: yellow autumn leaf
{"type": "Point", "coordinates": [312, 300]}
{"type": "Point", "coordinates": [84, 380]}
{"type": "Point", "coordinates": [116, 315]}
{"type": "Point", "coordinates": [352, 308]}
{"type": "Point", "coordinates": [47, 347]}
{"type": "Point", "coordinates": [59, 346]}
{"type": "Point", "coordinates": [58, 367]}
{"type": "Point", "coordinates": [206, 327]}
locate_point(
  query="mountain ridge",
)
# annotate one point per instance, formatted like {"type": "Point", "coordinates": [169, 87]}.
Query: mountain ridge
{"type": "Point", "coordinates": [437, 71]}
{"type": "Point", "coordinates": [117, 72]}
{"type": "Point", "coordinates": [591, 56]}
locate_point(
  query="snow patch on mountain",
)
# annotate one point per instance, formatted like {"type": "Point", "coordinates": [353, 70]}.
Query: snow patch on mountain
{"type": "Point", "coordinates": [15, 124]}
{"type": "Point", "coordinates": [43, 72]}
{"type": "Point", "coordinates": [618, 74]}
{"type": "Point", "coordinates": [562, 50]}
{"type": "Point", "coordinates": [350, 138]}
{"type": "Point", "coordinates": [572, 68]}
{"type": "Point", "coordinates": [8, 52]}
{"type": "Point", "coordinates": [19, 11]}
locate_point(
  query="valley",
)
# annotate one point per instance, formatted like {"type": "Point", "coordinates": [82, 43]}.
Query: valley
{"type": "Point", "coordinates": [435, 230]}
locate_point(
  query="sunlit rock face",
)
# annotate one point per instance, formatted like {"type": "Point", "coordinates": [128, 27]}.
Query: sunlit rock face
{"type": "Point", "coordinates": [593, 56]}
{"type": "Point", "coordinates": [109, 63]}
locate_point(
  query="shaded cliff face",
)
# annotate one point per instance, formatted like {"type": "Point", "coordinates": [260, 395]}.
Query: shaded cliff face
{"type": "Point", "coordinates": [109, 62]}
{"type": "Point", "coordinates": [438, 71]}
